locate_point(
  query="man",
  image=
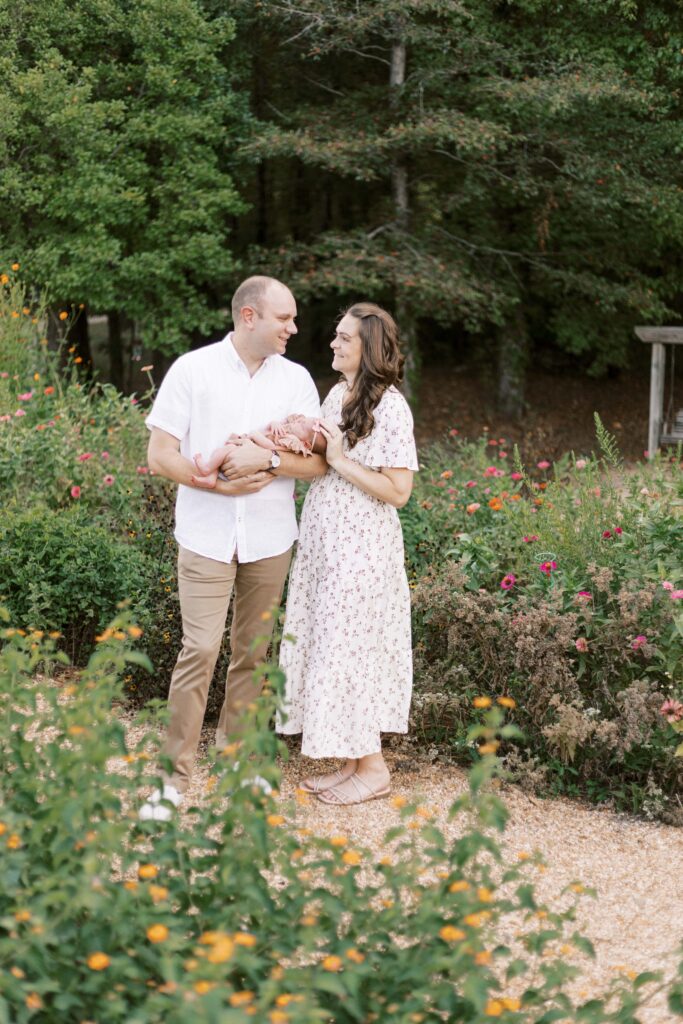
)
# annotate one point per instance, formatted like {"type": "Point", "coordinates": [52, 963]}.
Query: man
{"type": "Point", "coordinates": [239, 535]}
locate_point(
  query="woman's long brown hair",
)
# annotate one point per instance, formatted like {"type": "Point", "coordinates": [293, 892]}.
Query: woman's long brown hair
{"type": "Point", "coordinates": [381, 365]}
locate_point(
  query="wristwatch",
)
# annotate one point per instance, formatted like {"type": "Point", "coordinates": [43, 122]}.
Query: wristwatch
{"type": "Point", "coordinates": [274, 460]}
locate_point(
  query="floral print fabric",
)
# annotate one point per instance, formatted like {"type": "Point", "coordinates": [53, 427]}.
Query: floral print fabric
{"type": "Point", "coordinates": [349, 666]}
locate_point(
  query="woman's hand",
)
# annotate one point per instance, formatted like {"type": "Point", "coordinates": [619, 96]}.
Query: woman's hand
{"type": "Point", "coordinates": [334, 438]}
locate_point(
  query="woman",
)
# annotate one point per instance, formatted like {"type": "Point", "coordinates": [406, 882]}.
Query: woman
{"type": "Point", "coordinates": [349, 664]}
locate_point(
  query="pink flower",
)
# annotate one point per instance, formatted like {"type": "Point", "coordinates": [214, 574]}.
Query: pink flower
{"type": "Point", "coordinates": [474, 507]}
{"type": "Point", "coordinates": [547, 567]}
{"type": "Point", "coordinates": [618, 530]}
{"type": "Point", "coordinates": [543, 464]}
{"type": "Point", "coordinates": [581, 645]}
{"type": "Point", "coordinates": [585, 595]}
{"type": "Point", "coordinates": [638, 642]}
{"type": "Point", "coordinates": [581, 463]}
{"type": "Point", "coordinates": [142, 470]}
{"type": "Point", "coordinates": [606, 534]}
{"type": "Point", "coordinates": [530, 539]}
{"type": "Point", "coordinates": [676, 595]}
{"type": "Point", "coordinates": [75, 491]}
{"type": "Point", "coordinates": [6, 418]}
{"type": "Point", "coordinates": [108, 480]}
{"type": "Point", "coordinates": [85, 456]}
{"type": "Point", "coordinates": [104, 455]}
{"type": "Point", "coordinates": [4, 374]}
{"type": "Point", "coordinates": [133, 401]}
{"type": "Point", "coordinates": [20, 412]}
{"type": "Point", "coordinates": [667, 585]}
{"type": "Point", "coordinates": [516, 476]}
{"type": "Point", "coordinates": [508, 581]}
{"type": "Point", "coordinates": [26, 397]}
{"type": "Point", "coordinates": [453, 432]}
{"type": "Point", "coordinates": [493, 471]}
{"type": "Point", "coordinates": [471, 483]}
{"type": "Point", "coordinates": [502, 455]}
{"type": "Point", "coordinates": [672, 710]}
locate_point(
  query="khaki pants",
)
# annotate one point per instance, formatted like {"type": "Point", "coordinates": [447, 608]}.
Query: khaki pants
{"type": "Point", "coordinates": [205, 587]}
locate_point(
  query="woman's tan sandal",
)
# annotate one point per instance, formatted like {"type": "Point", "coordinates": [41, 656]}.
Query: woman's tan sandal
{"type": "Point", "coordinates": [316, 785]}
{"type": "Point", "coordinates": [362, 793]}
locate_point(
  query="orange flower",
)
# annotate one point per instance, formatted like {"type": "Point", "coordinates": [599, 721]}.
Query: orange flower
{"type": "Point", "coordinates": [355, 956]}
{"type": "Point", "coordinates": [14, 842]}
{"type": "Point", "coordinates": [98, 961]}
{"type": "Point", "coordinates": [22, 915]}
{"type": "Point", "coordinates": [135, 632]}
{"type": "Point", "coordinates": [202, 987]}
{"type": "Point", "coordinates": [245, 939]}
{"type": "Point", "coordinates": [158, 892]}
{"type": "Point", "coordinates": [495, 504]}
{"type": "Point", "coordinates": [63, 315]}
{"type": "Point", "coordinates": [157, 933]}
{"type": "Point", "coordinates": [460, 886]}
{"type": "Point", "coordinates": [33, 1001]}
{"type": "Point", "coordinates": [241, 998]}
{"type": "Point", "coordinates": [275, 819]}
{"type": "Point", "coordinates": [147, 871]}
{"type": "Point", "coordinates": [332, 963]}
{"type": "Point", "coordinates": [338, 840]}
{"type": "Point", "coordinates": [351, 857]}
{"type": "Point", "coordinates": [494, 1008]}
{"type": "Point", "coordinates": [4, 279]}
{"type": "Point", "coordinates": [450, 934]}
{"type": "Point", "coordinates": [221, 951]}
{"type": "Point", "coordinates": [484, 895]}
{"type": "Point", "coordinates": [15, 266]}
{"type": "Point", "coordinates": [482, 702]}
{"type": "Point", "coordinates": [483, 957]}
{"type": "Point", "coordinates": [278, 1017]}
{"type": "Point", "coordinates": [506, 702]}
{"type": "Point", "coordinates": [489, 748]}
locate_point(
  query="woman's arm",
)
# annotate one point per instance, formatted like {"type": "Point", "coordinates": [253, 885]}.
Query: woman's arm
{"type": "Point", "coordinates": [390, 485]}
{"type": "Point", "coordinates": [164, 459]}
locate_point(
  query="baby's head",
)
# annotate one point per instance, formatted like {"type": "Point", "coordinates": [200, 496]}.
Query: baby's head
{"type": "Point", "coordinates": [303, 427]}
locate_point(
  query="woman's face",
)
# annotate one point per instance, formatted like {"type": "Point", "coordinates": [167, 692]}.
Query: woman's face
{"type": "Point", "coordinates": [346, 347]}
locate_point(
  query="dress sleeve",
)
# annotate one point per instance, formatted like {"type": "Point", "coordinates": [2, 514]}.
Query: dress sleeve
{"type": "Point", "coordinates": [391, 444]}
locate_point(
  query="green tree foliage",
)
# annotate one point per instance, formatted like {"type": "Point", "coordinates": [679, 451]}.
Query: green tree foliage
{"type": "Point", "coordinates": [116, 120]}
{"type": "Point", "coordinates": [510, 168]}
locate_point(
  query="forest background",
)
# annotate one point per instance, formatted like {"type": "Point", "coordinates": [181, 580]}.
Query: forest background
{"type": "Point", "coordinates": [504, 176]}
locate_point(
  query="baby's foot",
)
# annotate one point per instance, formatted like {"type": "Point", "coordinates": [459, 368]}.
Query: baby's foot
{"type": "Point", "coordinates": [207, 480]}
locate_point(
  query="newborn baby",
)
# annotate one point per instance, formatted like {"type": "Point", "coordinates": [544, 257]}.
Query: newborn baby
{"type": "Point", "coordinates": [296, 433]}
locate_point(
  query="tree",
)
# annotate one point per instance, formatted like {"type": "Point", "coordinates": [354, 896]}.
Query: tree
{"type": "Point", "coordinates": [508, 168]}
{"type": "Point", "coordinates": [116, 123]}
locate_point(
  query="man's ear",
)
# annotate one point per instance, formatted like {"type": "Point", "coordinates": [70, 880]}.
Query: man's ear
{"type": "Point", "coordinates": [248, 316]}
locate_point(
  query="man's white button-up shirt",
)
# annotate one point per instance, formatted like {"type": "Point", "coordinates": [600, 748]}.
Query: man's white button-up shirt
{"type": "Point", "coordinates": [207, 395]}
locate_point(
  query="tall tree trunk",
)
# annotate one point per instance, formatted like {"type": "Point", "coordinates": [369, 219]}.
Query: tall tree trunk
{"type": "Point", "coordinates": [405, 314]}
{"type": "Point", "coordinates": [513, 359]}
{"type": "Point", "coordinates": [115, 349]}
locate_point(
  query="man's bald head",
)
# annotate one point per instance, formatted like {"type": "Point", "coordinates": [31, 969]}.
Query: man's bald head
{"type": "Point", "coordinates": [252, 293]}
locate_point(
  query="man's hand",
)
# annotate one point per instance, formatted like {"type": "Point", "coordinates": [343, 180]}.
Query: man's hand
{"type": "Point", "coordinates": [244, 485]}
{"type": "Point", "coordinates": [246, 459]}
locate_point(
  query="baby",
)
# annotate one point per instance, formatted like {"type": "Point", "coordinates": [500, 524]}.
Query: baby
{"type": "Point", "coordinates": [296, 433]}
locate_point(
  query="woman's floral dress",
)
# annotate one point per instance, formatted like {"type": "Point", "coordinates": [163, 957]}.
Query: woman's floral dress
{"type": "Point", "coordinates": [349, 669]}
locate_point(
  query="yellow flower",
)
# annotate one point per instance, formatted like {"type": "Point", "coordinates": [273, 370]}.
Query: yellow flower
{"type": "Point", "coordinates": [511, 1004]}
{"type": "Point", "coordinates": [33, 1001]}
{"type": "Point", "coordinates": [221, 951]}
{"type": "Point", "coordinates": [332, 963]}
{"type": "Point", "coordinates": [338, 840]}
{"type": "Point", "coordinates": [507, 702]}
{"type": "Point", "coordinates": [275, 819]}
{"type": "Point", "coordinates": [484, 895]}
{"type": "Point", "coordinates": [450, 934]}
{"type": "Point", "coordinates": [241, 998]}
{"type": "Point", "coordinates": [158, 892]}
{"type": "Point", "coordinates": [482, 702]}
{"type": "Point", "coordinates": [157, 933]}
{"type": "Point", "coordinates": [202, 987]}
{"type": "Point", "coordinates": [351, 857]}
{"type": "Point", "coordinates": [245, 939]}
{"type": "Point", "coordinates": [14, 842]}
{"type": "Point", "coordinates": [147, 871]}
{"type": "Point", "coordinates": [460, 886]}
{"type": "Point", "coordinates": [494, 1008]}
{"type": "Point", "coordinates": [22, 915]}
{"type": "Point", "coordinates": [483, 957]}
{"type": "Point", "coordinates": [98, 961]}
{"type": "Point", "coordinates": [355, 956]}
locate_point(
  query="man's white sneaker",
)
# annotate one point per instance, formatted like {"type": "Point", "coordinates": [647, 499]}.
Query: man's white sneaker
{"type": "Point", "coordinates": [156, 808]}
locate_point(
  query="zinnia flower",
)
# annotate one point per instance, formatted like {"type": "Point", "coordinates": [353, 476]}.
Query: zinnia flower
{"type": "Point", "coordinates": [20, 412]}
{"type": "Point", "coordinates": [672, 710]}
{"type": "Point", "coordinates": [581, 463]}
{"type": "Point", "coordinates": [606, 534]}
{"type": "Point", "coordinates": [530, 539]}
{"type": "Point", "coordinates": [75, 491]}
{"type": "Point", "coordinates": [472, 508]}
{"type": "Point", "coordinates": [547, 567]}
{"type": "Point", "coordinates": [543, 464]}
{"type": "Point", "coordinates": [508, 581]}
{"type": "Point", "coordinates": [638, 642]}
{"type": "Point", "coordinates": [85, 456]}
{"type": "Point", "coordinates": [581, 645]}
{"type": "Point", "coordinates": [26, 397]}
{"type": "Point", "coordinates": [516, 476]}
{"type": "Point", "coordinates": [667, 585]}
{"type": "Point", "coordinates": [108, 480]}
{"type": "Point", "coordinates": [676, 595]}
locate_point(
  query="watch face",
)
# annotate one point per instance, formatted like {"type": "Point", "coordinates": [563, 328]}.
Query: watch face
{"type": "Point", "coordinates": [274, 460]}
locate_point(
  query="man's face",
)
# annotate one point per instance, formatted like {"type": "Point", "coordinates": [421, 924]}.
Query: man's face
{"type": "Point", "coordinates": [275, 325]}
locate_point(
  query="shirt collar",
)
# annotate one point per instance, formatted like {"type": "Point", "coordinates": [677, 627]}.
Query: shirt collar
{"type": "Point", "coordinates": [236, 360]}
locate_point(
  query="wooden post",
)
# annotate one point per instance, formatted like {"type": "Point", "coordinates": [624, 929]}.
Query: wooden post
{"type": "Point", "coordinates": [654, 431]}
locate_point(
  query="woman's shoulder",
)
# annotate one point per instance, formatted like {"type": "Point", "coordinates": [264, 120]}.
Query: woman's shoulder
{"type": "Point", "coordinates": [393, 403]}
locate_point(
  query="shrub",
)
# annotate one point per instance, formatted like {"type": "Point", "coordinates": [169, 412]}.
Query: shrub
{"type": "Point", "coordinates": [235, 912]}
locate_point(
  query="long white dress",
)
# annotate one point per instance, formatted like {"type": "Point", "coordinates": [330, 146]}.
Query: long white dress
{"type": "Point", "coordinates": [349, 669]}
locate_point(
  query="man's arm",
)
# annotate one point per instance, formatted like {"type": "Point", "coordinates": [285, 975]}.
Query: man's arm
{"type": "Point", "coordinates": [248, 458]}
{"type": "Point", "coordinates": [164, 459]}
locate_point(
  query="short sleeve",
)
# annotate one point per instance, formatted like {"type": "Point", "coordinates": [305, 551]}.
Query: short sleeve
{"type": "Point", "coordinates": [173, 404]}
{"type": "Point", "coordinates": [306, 400]}
{"type": "Point", "coordinates": [391, 445]}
